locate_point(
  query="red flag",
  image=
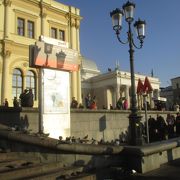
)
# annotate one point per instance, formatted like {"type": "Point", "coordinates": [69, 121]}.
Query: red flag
{"type": "Point", "coordinates": [140, 87]}
{"type": "Point", "coordinates": [147, 86]}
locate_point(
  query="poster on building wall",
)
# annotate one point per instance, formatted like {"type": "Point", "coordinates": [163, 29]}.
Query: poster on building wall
{"type": "Point", "coordinates": [47, 55]}
{"type": "Point", "coordinates": [56, 84]}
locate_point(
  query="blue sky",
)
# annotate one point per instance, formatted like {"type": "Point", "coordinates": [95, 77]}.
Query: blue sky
{"type": "Point", "coordinates": [161, 49]}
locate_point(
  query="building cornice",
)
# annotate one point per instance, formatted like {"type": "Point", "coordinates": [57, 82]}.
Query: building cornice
{"type": "Point", "coordinates": [26, 13]}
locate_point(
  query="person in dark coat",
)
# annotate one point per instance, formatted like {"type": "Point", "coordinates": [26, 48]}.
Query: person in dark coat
{"type": "Point", "coordinates": [27, 99]}
{"type": "Point", "coordinates": [30, 98]}
{"type": "Point", "coordinates": [177, 123]}
{"type": "Point", "coordinates": [15, 102]}
{"type": "Point", "coordinates": [88, 100]}
{"type": "Point", "coordinates": [6, 103]}
{"type": "Point", "coordinates": [74, 103]}
{"type": "Point", "coordinates": [170, 120]}
{"type": "Point", "coordinates": [152, 129]}
{"type": "Point", "coordinates": [161, 127]}
{"type": "Point", "coordinates": [23, 98]}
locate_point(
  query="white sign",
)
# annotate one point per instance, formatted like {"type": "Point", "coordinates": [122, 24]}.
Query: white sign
{"type": "Point", "coordinates": [56, 103]}
{"type": "Point", "coordinates": [56, 95]}
{"type": "Point", "coordinates": [53, 41]}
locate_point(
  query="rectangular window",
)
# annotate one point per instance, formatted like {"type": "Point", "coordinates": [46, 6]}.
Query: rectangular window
{"type": "Point", "coordinates": [20, 27]}
{"type": "Point", "coordinates": [30, 29]}
{"type": "Point", "coordinates": [177, 85]}
{"type": "Point", "coordinates": [54, 33]}
{"type": "Point", "coordinates": [62, 35]}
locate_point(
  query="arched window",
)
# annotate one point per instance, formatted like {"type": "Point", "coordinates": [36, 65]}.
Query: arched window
{"type": "Point", "coordinates": [31, 82]}
{"type": "Point", "coordinates": [17, 83]}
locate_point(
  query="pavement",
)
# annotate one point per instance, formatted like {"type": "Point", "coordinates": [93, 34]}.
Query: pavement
{"type": "Point", "coordinates": [169, 171]}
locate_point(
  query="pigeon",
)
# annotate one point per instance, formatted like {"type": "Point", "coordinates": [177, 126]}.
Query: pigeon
{"type": "Point", "coordinates": [85, 137]}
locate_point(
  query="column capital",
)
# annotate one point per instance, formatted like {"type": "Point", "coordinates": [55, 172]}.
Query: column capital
{"type": "Point", "coordinates": [73, 22]}
{"type": "Point", "coordinates": [44, 15]}
{"type": "Point", "coordinates": [77, 24]}
{"type": "Point", "coordinates": [7, 53]}
{"type": "Point", "coordinates": [7, 2]}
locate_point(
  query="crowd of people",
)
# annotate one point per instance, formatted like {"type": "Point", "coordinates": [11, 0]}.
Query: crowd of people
{"type": "Point", "coordinates": [26, 99]}
{"type": "Point", "coordinates": [90, 102]}
{"type": "Point", "coordinates": [122, 104]}
{"type": "Point", "coordinates": [164, 128]}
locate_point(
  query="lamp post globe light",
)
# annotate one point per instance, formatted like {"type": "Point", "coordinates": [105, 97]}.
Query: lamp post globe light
{"type": "Point", "coordinates": [135, 125]}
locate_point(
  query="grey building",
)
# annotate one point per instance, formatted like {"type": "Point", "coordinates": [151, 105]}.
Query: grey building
{"type": "Point", "coordinates": [176, 89]}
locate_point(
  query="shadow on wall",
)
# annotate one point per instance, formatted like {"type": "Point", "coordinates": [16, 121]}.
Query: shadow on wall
{"type": "Point", "coordinates": [11, 117]}
{"type": "Point", "coordinates": [102, 125]}
{"type": "Point", "coordinates": [123, 137]}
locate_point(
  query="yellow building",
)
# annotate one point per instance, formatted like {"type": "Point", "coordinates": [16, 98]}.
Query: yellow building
{"type": "Point", "coordinates": [22, 22]}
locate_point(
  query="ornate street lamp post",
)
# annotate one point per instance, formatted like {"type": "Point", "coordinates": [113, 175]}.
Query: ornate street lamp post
{"type": "Point", "coordinates": [135, 127]}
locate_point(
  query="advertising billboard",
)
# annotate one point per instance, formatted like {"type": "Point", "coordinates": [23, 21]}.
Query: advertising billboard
{"type": "Point", "coordinates": [47, 55]}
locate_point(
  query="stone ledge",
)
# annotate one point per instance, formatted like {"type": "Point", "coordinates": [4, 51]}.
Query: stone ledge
{"type": "Point", "coordinates": [149, 157]}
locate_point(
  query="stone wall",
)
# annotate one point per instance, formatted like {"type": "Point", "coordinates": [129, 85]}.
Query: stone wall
{"type": "Point", "coordinates": [97, 124]}
{"type": "Point", "coordinates": [105, 124]}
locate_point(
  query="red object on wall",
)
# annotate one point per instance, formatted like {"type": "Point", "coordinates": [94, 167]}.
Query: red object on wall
{"type": "Point", "coordinates": [147, 86]}
{"type": "Point", "coordinates": [140, 87]}
{"type": "Point", "coordinates": [144, 88]}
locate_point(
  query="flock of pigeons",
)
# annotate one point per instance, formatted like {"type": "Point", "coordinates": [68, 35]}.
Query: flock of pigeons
{"type": "Point", "coordinates": [71, 139]}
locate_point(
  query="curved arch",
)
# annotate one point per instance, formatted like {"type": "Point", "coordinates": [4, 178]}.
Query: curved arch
{"type": "Point", "coordinates": [23, 64]}
{"type": "Point", "coordinates": [20, 63]}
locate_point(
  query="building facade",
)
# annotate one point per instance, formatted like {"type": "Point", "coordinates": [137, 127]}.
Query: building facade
{"type": "Point", "coordinates": [176, 90]}
{"type": "Point", "coordinates": [22, 22]}
{"type": "Point", "coordinates": [167, 93]}
{"type": "Point", "coordinates": [110, 86]}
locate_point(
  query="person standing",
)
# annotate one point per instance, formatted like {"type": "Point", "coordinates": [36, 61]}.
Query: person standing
{"type": "Point", "coordinates": [93, 104]}
{"type": "Point", "coordinates": [15, 102]}
{"type": "Point", "coordinates": [6, 103]}
{"type": "Point", "coordinates": [119, 104]}
{"type": "Point", "coordinates": [170, 120]}
{"type": "Point", "coordinates": [125, 104]}
{"type": "Point", "coordinates": [23, 98]}
{"type": "Point", "coordinates": [161, 127]}
{"type": "Point", "coordinates": [152, 129]}
{"type": "Point", "coordinates": [30, 98]}
{"type": "Point", "coordinates": [177, 123]}
{"type": "Point", "coordinates": [74, 103]}
{"type": "Point", "coordinates": [88, 100]}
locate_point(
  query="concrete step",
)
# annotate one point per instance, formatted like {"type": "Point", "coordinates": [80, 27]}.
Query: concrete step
{"type": "Point", "coordinates": [14, 164]}
{"type": "Point", "coordinates": [61, 173]}
{"type": "Point", "coordinates": [84, 177]}
{"type": "Point", "coordinates": [29, 171]}
{"type": "Point", "coordinates": [6, 156]}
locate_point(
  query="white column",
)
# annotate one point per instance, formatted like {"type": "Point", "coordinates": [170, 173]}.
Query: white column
{"type": "Point", "coordinates": [117, 92]}
{"type": "Point", "coordinates": [7, 4]}
{"type": "Point", "coordinates": [5, 70]}
{"type": "Point", "coordinates": [75, 78]}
